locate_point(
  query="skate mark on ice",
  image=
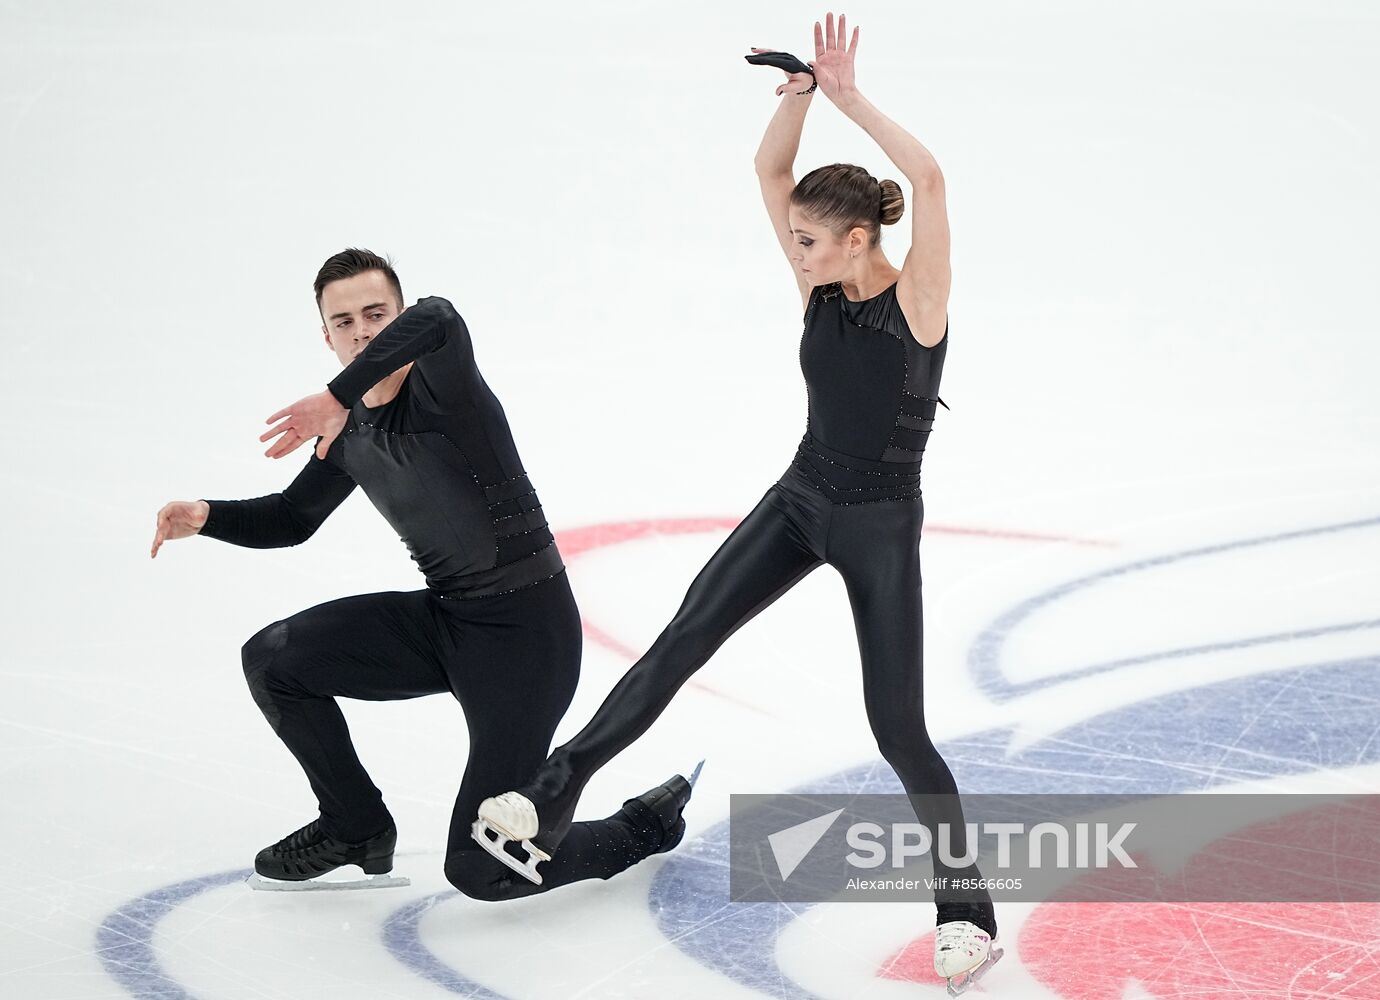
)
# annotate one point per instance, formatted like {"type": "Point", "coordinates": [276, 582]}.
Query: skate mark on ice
{"type": "Point", "coordinates": [124, 940]}
{"type": "Point", "coordinates": [984, 658]}
{"type": "Point", "coordinates": [402, 938]}
{"type": "Point", "coordinates": [1251, 951]}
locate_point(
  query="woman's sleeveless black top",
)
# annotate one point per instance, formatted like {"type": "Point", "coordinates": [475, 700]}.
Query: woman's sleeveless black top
{"type": "Point", "coordinates": [873, 390]}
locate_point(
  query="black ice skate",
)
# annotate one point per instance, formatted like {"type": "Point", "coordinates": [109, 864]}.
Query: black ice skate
{"type": "Point", "coordinates": [664, 804]}
{"type": "Point", "coordinates": [300, 859]}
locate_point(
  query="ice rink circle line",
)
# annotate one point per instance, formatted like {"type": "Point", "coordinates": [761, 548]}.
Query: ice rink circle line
{"type": "Point", "coordinates": [403, 940]}
{"type": "Point", "coordinates": [984, 658]}
{"type": "Point", "coordinates": [124, 940]}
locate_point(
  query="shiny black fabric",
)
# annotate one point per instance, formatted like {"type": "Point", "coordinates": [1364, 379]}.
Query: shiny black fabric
{"type": "Point", "coordinates": [850, 498]}
{"type": "Point", "coordinates": [511, 660]}
{"type": "Point", "coordinates": [437, 460]}
{"type": "Point", "coordinates": [872, 386]}
{"type": "Point", "coordinates": [793, 530]}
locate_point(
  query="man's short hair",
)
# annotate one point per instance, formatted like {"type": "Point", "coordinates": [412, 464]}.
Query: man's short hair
{"type": "Point", "coordinates": [348, 263]}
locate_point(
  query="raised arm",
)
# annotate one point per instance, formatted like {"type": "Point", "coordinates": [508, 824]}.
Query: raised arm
{"type": "Point", "coordinates": [775, 159]}
{"type": "Point", "coordinates": [419, 331]}
{"type": "Point", "coordinates": [923, 286]}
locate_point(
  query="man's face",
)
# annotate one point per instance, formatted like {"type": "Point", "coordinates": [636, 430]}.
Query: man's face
{"type": "Point", "coordinates": [354, 310]}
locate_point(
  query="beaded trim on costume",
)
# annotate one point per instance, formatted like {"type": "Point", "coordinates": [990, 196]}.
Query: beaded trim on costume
{"type": "Point", "coordinates": [513, 491]}
{"type": "Point", "coordinates": [498, 593]}
{"type": "Point", "coordinates": [848, 496]}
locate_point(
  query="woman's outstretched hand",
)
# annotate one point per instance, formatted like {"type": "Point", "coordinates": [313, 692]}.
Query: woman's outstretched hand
{"type": "Point", "coordinates": [833, 62]}
{"type": "Point", "coordinates": [796, 83]}
{"type": "Point", "coordinates": [307, 418]}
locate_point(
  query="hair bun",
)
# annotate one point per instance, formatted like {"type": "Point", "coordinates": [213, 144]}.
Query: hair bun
{"type": "Point", "coordinates": [893, 202]}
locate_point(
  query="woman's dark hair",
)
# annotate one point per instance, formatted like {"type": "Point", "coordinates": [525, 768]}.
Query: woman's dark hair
{"type": "Point", "coordinates": [842, 196]}
{"type": "Point", "coordinates": [348, 263]}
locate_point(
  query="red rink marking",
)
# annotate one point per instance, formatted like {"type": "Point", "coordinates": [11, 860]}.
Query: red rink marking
{"type": "Point", "coordinates": [577, 541]}
{"type": "Point", "coordinates": [914, 963]}
{"type": "Point", "coordinates": [1260, 951]}
{"type": "Point", "coordinates": [574, 542]}
{"type": "Point", "coordinates": [1209, 951]}
{"type": "Point", "coordinates": [1185, 951]}
{"type": "Point", "coordinates": [1020, 536]}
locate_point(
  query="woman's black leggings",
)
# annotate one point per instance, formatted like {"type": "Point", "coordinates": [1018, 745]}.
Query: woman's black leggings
{"type": "Point", "coordinates": [511, 660]}
{"type": "Point", "coordinates": [863, 519]}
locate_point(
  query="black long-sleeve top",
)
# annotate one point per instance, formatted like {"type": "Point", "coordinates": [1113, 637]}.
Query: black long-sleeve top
{"type": "Point", "coordinates": [437, 460]}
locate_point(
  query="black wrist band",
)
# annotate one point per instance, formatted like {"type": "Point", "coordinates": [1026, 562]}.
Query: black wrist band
{"type": "Point", "coordinates": [784, 61]}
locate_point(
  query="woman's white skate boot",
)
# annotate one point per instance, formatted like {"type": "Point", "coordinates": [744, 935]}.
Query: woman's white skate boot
{"type": "Point", "coordinates": [510, 816]}
{"type": "Point", "coordinates": [963, 952]}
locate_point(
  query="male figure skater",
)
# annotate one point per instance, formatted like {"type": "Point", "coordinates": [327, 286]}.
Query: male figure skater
{"type": "Point", "coordinates": [411, 420]}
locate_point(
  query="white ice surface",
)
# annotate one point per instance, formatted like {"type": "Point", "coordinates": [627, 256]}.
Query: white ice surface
{"type": "Point", "coordinates": [1163, 338]}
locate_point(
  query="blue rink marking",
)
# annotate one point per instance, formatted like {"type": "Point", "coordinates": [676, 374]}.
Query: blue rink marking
{"type": "Point", "coordinates": [984, 658]}
{"type": "Point", "coordinates": [404, 942]}
{"type": "Point", "coordinates": [124, 941]}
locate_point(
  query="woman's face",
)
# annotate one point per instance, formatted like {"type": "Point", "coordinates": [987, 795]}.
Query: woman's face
{"type": "Point", "coordinates": [820, 255]}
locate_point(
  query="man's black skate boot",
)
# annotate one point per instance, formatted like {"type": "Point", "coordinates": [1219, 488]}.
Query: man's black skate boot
{"type": "Point", "coordinates": [658, 813]}
{"type": "Point", "coordinates": [308, 852]}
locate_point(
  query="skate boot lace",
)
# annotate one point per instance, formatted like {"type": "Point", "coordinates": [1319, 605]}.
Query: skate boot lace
{"type": "Point", "coordinates": [960, 935]}
{"type": "Point", "coordinates": [299, 841]}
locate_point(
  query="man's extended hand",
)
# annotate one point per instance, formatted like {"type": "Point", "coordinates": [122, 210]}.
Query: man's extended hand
{"type": "Point", "coordinates": [320, 414]}
{"type": "Point", "coordinates": [179, 519]}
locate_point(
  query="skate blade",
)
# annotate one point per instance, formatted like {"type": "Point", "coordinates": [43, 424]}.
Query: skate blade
{"type": "Point", "coordinates": [257, 881]}
{"type": "Point", "coordinates": [957, 986]}
{"type": "Point", "coordinates": [494, 838]}
{"type": "Point", "coordinates": [694, 775]}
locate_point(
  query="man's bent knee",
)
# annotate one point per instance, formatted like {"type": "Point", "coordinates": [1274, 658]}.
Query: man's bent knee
{"type": "Point", "coordinates": [259, 656]}
{"type": "Point", "coordinates": [480, 876]}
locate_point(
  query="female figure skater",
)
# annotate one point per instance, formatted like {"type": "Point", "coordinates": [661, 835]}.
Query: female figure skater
{"type": "Point", "coordinates": [412, 421]}
{"type": "Point", "coordinates": [872, 353]}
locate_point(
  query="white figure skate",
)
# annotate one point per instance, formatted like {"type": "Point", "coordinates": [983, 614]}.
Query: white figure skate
{"type": "Point", "coordinates": [512, 817]}
{"type": "Point", "coordinates": [963, 952]}
{"type": "Point", "coordinates": [508, 817]}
